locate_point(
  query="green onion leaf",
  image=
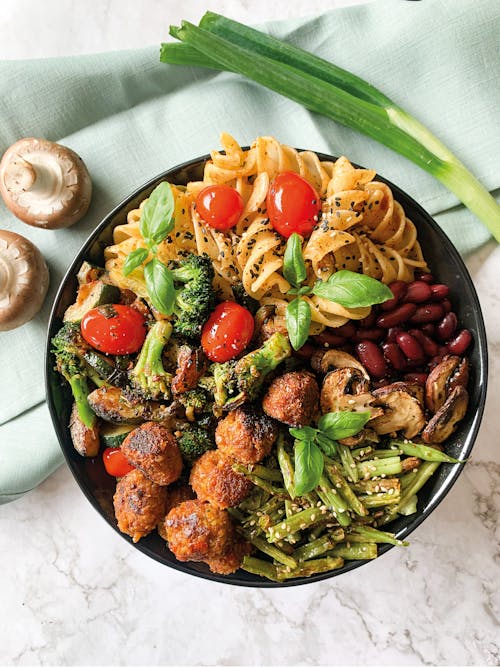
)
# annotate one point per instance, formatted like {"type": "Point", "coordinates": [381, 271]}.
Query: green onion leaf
{"type": "Point", "coordinates": [338, 425]}
{"type": "Point", "coordinates": [309, 464]}
{"type": "Point", "coordinates": [157, 216]}
{"type": "Point", "coordinates": [294, 267]}
{"type": "Point", "coordinates": [298, 321]}
{"type": "Point", "coordinates": [133, 260]}
{"type": "Point", "coordinates": [352, 290]}
{"type": "Point", "coordinates": [160, 286]}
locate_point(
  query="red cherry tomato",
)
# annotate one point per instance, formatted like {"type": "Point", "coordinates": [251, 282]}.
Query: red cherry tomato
{"type": "Point", "coordinates": [219, 206]}
{"type": "Point", "coordinates": [115, 462]}
{"type": "Point", "coordinates": [293, 205]}
{"type": "Point", "coordinates": [227, 331]}
{"type": "Point", "coordinates": [114, 329]}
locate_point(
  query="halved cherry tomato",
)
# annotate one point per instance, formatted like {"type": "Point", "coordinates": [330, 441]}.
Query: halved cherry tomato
{"type": "Point", "coordinates": [114, 329]}
{"type": "Point", "coordinates": [227, 331]}
{"type": "Point", "coordinates": [220, 206]}
{"type": "Point", "coordinates": [293, 205]}
{"type": "Point", "coordinates": [115, 462]}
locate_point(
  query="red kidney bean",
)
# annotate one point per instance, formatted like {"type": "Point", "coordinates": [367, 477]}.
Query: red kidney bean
{"type": "Point", "coordinates": [446, 303]}
{"type": "Point", "coordinates": [369, 334]}
{"type": "Point", "coordinates": [329, 339]}
{"type": "Point", "coordinates": [381, 383]}
{"type": "Point", "coordinates": [447, 327]}
{"type": "Point", "coordinates": [398, 288]}
{"type": "Point", "coordinates": [368, 321]}
{"type": "Point", "coordinates": [347, 330]}
{"type": "Point", "coordinates": [439, 292]}
{"type": "Point", "coordinates": [372, 359]}
{"type": "Point", "coordinates": [461, 342]}
{"type": "Point", "coordinates": [435, 361]}
{"type": "Point", "coordinates": [443, 350]}
{"type": "Point", "coordinates": [394, 356]}
{"type": "Point", "coordinates": [306, 351]}
{"type": "Point", "coordinates": [430, 347]}
{"type": "Point", "coordinates": [392, 332]}
{"type": "Point", "coordinates": [431, 312]}
{"type": "Point", "coordinates": [410, 346]}
{"type": "Point", "coordinates": [429, 329]}
{"type": "Point", "coordinates": [425, 277]}
{"type": "Point", "coordinates": [419, 378]}
{"type": "Point", "coordinates": [418, 292]}
{"type": "Point", "coordinates": [398, 316]}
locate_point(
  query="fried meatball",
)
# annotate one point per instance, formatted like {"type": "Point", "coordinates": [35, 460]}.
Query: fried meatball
{"type": "Point", "coordinates": [213, 479]}
{"type": "Point", "coordinates": [232, 560]}
{"type": "Point", "coordinates": [139, 504]}
{"type": "Point", "coordinates": [292, 398]}
{"type": "Point", "coordinates": [176, 495]}
{"type": "Point", "coordinates": [197, 530]}
{"type": "Point", "coordinates": [153, 449]}
{"type": "Point", "coordinates": [246, 435]}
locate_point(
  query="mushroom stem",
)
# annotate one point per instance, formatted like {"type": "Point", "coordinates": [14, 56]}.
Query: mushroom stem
{"type": "Point", "coordinates": [20, 177]}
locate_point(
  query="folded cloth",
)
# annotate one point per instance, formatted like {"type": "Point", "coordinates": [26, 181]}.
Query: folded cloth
{"type": "Point", "coordinates": [130, 117]}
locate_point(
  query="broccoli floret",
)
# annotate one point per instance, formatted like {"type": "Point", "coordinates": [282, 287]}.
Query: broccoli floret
{"type": "Point", "coordinates": [194, 442]}
{"type": "Point", "coordinates": [196, 298]}
{"type": "Point", "coordinates": [149, 376]}
{"type": "Point", "coordinates": [195, 401]}
{"type": "Point", "coordinates": [68, 346]}
{"type": "Point", "coordinates": [240, 381]}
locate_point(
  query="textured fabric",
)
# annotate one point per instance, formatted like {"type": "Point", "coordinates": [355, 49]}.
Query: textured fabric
{"type": "Point", "coordinates": [130, 117]}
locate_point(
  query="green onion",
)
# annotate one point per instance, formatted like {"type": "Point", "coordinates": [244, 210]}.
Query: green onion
{"type": "Point", "coordinates": [322, 87]}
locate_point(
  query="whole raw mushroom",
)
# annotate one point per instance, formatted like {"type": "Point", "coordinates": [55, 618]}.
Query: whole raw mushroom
{"type": "Point", "coordinates": [24, 279]}
{"type": "Point", "coordinates": [44, 184]}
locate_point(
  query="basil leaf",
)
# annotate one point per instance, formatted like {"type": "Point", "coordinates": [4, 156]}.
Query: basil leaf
{"type": "Point", "coordinates": [352, 290]}
{"type": "Point", "coordinates": [328, 446]}
{"type": "Point", "coordinates": [160, 286]}
{"type": "Point", "coordinates": [294, 267]}
{"type": "Point", "coordinates": [303, 433]}
{"type": "Point", "coordinates": [338, 425]}
{"type": "Point", "coordinates": [133, 260]}
{"type": "Point", "coordinates": [298, 321]}
{"type": "Point", "coordinates": [157, 217]}
{"type": "Point", "coordinates": [308, 466]}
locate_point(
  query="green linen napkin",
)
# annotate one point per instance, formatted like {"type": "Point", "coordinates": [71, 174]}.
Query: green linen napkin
{"type": "Point", "coordinates": [130, 117]}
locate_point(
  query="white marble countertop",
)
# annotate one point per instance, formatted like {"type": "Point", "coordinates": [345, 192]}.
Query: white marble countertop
{"type": "Point", "coordinates": [74, 593]}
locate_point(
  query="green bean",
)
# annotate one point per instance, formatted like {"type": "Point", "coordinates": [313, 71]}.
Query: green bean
{"type": "Point", "coordinates": [345, 490]}
{"type": "Point", "coordinates": [307, 568]}
{"type": "Point", "coordinates": [258, 481]}
{"type": "Point", "coordinates": [362, 453]}
{"type": "Point", "coordinates": [332, 499]}
{"type": "Point", "coordinates": [380, 499]}
{"type": "Point", "coordinates": [365, 551]}
{"type": "Point", "coordinates": [377, 485]}
{"type": "Point", "coordinates": [377, 467]}
{"type": "Point", "coordinates": [347, 460]}
{"type": "Point", "coordinates": [270, 549]}
{"type": "Point", "coordinates": [424, 452]}
{"type": "Point", "coordinates": [286, 466]}
{"type": "Point", "coordinates": [299, 521]}
{"type": "Point", "coordinates": [314, 548]}
{"type": "Point", "coordinates": [370, 534]}
{"type": "Point", "coordinates": [262, 568]}
{"type": "Point", "coordinates": [271, 474]}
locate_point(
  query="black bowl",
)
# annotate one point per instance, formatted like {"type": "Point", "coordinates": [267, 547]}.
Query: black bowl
{"type": "Point", "coordinates": [444, 262]}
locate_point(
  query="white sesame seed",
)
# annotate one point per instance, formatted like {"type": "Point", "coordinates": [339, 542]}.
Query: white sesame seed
{"type": "Point", "coordinates": [313, 517]}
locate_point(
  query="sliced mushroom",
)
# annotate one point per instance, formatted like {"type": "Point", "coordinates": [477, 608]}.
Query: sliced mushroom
{"type": "Point", "coordinates": [413, 388]}
{"type": "Point", "coordinates": [345, 390]}
{"type": "Point", "coordinates": [191, 364]}
{"type": "Point", "coordinates": [324, 361]}
{"type": "Point", "coordinates": [44, 184]}
{"type": "Point", "coordinates": [402, 411]}
{"type": "Point", "coordinates": [24, 279]}
{"type": "Point", "coordinates": [85, 439]}
{"type": "Point", "coordinates": [446, 419]}
{"type": "Point", "coordinates": [365, 435]}
{"type": "Point", "coordinates": [450, 373]}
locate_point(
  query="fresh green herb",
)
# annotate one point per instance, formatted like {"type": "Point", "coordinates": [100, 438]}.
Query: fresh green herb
{"type": "Point", "coordinates": [160, 286]}
{"type": "Point", "coordinates": [308, 466]}
{"type": "Point", "coordinates": [157, 216]}
{"type": "Point", "coordinates": [352, 290]}
{"type": "Point", "coordinates": [134, 259]}
{"type": "Point", "coordinates": [298, 321]}
{"type": "Point", "coordinates": [338, 425]}
{"type": "Point", "coordinates": [322, 87]}
{"type": "Point", "coordinates": [294, 267]}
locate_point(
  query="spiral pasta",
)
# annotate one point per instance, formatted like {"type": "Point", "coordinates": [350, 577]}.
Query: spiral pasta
{"type": "Point", "coordinates": [361, 228]}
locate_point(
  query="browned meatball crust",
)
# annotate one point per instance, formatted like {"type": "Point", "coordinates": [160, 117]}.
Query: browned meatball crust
{"type": "Point", "coordinates": [292, 398]}
{"type": "Point", "coordinates": [139, 504]}
{"type": "Point", "coordinates": [232, 560]}
{"type": "Point", "coordinates": [176, 494]}
{"type": "Point", "coordinates": [197, 530]}
{"type": "Point", "coordinates": [246, 435]}
{"type": "Point", "coordinates": [153, 449]}
{"type": "Point", "coordinates": [213, 479]}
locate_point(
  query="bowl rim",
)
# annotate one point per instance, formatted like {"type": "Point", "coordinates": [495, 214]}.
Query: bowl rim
{"type": "Point", "coordinates": [259, 582]}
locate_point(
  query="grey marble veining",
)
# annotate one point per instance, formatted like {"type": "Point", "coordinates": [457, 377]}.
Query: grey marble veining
{"type": "Point", "coordinates": [74, 593]}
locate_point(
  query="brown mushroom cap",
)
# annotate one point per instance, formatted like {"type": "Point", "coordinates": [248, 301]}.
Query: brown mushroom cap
{"type": "Point", "coordinates": [44, 184]}
{"type": "Point", "coordinates": [24, 279]}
